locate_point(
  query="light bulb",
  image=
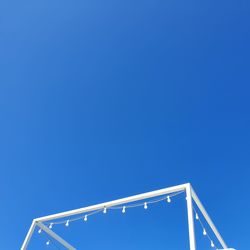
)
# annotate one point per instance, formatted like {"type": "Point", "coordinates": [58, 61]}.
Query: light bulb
{"type": "Point", "coordinates": [196, 216]}
{"type": "Point", "coordinates": [212, 244]}
{"type": "Point", "coordinates": [168, 199]}
{"type": "Point", "coordinates": [204, 232]}
{"type": "Point", "coordinates": [50, 225]}
{"type": "Point", "coordinates": [124, 210]}
{"type": "Point", "coordinates": [86, 217]}
{"type": "Point", "coordinates": [145, 205]}
{"type": "Point", "coordinates": [105, 210]}
{"type": "Point", "coordinates": [40, 230]}
{"type": "Point", "coordinates": [48, 242]}
{"type": "Point", "coordinates": [67, 223]}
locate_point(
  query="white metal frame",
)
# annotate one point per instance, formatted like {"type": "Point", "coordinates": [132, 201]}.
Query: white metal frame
{"type": "Point", "coordinates": [190, 197]}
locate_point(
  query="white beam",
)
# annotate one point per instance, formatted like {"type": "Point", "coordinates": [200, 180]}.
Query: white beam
{"type": "Point", "coordinates": [190, 194]}
{"type": "Point", "coordinates": [191, 231]}
{"type": "Point", "coordinates": [208, 219]}
{"type": "Point", "coordinates": [113, 203]}
{"type": "Point", "coordinates": [28, 236]}
{"type": "Point", "coordinates": [55, 236]}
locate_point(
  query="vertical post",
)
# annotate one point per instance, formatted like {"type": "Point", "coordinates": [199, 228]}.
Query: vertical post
{"type": "Point", "coordinates": [191, 231]}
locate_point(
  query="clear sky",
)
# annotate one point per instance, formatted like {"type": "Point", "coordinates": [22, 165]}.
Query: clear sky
{"type": "Point", "coordinates": [105, 99]}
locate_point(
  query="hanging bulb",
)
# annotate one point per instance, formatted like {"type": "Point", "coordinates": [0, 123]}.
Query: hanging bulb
{"type": "Point", "coordinates": [168, 199]}
{"type": "Point", "coordinates": [40, 230]}
{"type": "Point", "coordinates": [50, 225]}
{"type": "Point", "coordinates": [123, 209]}
{"type": "Point", "coordinates": [196, 216]}
{"type": "Point", "coordinates": [145, 205]}
{"type": "Point", "coordinates": [67, 223]}
{"type": "Point", "coordinates": [212, 244]}
{"type": "Point", "coordinates": [105, 210]}
{"type": "Point", "coordinates": [48, 242]}
{"type": "Point", "coordinates": [204, 232]}
{"type": "Point", "coordinates": [85, 217]}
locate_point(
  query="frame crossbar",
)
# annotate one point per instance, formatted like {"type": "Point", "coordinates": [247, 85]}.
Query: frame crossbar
{"type": "Point", "coordinates": [190, 197]}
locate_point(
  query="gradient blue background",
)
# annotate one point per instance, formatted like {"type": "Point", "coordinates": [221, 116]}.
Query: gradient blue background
{"type": "Point", "coordinates": [105, 99]}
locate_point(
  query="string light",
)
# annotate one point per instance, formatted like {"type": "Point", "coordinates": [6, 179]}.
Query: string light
{"type": "Point", "coordinates": [124, 210]}
{"type": "Point", "coordinates": [168, 199]}
{"type": "Point", "coordinates": [212, 244]}
{"type": "Point", "coordinates": [104, 210]}
{"type": "Point", "coordinates": [67, 223]}
{"type": "Point", "coordinates": [204, 230]}
{"type": "Point", "coordinates": [144, 204]}
{"type": "Point", "coordinates": [196, 216]}
{"type": "Point", "coordinates": [85, 217]}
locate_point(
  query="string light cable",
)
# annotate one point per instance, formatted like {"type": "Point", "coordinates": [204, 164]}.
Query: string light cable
{"type": "Point", "coordinates": [204, 231]}
{"type": "Point", "coordinates": [123, 208]}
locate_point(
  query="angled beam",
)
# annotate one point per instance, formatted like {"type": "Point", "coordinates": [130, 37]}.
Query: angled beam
{"type": "Point", "coordinates": [208, 219]}
{"type": "Point", "coordinates": [55, 236]}
{"type": "Point", "coordinates": [114, 203]}
{"type": "Point", "coordinates": [28, 236]}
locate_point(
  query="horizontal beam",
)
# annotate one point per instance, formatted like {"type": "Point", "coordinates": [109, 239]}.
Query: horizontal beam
{"type": "Point", "coordinates": [208, 219]}
{"type": "Point", "coordinates": [138, 197]}
{"type": "Point", "coordinates": [55, 236]}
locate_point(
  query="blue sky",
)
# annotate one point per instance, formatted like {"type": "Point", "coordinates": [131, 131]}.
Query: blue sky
{"type": "Point", "coordinates": [105, 99]}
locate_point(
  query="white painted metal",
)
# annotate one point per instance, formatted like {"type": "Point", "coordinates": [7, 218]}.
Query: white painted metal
{"type": "Point", "coordinates": [190, 218]}
{"type": "Point", "coordinates": [114, 203]}
{"type": "Point", "coordinates": [208, 219]}
{"type": "Point", "coordinates": [55, 236]}
{"type": "Point", "coordinates": [185, 187]}
{"type": "Point", "coordinates": [28, 236]}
